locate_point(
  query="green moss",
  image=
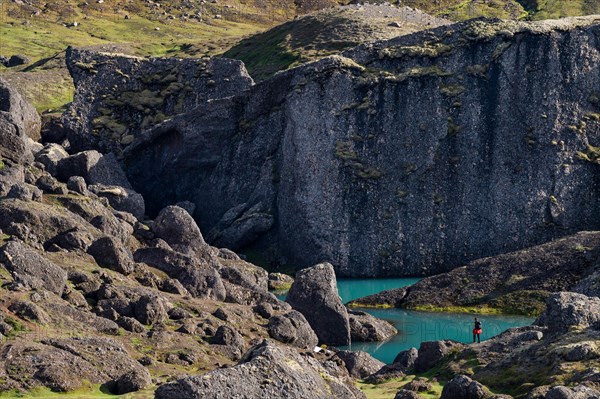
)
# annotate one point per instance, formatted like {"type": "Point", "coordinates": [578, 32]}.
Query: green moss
{"type": "Point", "coordinates": [18, 327]}
{"type": "Point", "coordinates": [368, 173]}
{"type": "Point", "coordinates": [419, 72]}
{"type": "Point", "coordinates": [357, 304]}
{"type": "Point", "coordinates": [107, 122]}
{"type": "Point", "coordinates": [523, 302]}
{"type": "Point", "coordinates": [142, 99]}
{"type": "Point", "coordinates": [4, 238]}
{"type": "Point", "coordinates": [89, 391]}
{"type": "Point", "coordinates": [401, 194]}
{"type": "Point", "coordinates": [427, 50]}
{"type": "Point", "coordinates": [1, 164]}
{"type": "Point", "coordinates": [453, 128]}
{"type": "Point", "coordinates": [89, 67]}
{"type": "Point", "coordinates": [582, 248]}
{"type": "Point", "coordinates": [452, 90]}
{"type": "Point", "coordinates": [591, 154]}
{"type": "Point", "coordinates": [477, 309]}
{"type": "Point", "coordinates": [344, 150]}
{"type": "Point", "coordinates": [499, 50]}
{"type": "Point", "coordinates": [478, 70]}
{"type": "Point", "coordinates": [513, 381]}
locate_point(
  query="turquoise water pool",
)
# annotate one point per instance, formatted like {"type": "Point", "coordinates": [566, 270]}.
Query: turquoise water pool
{"type": "Point", "coordinates": [416, 327]}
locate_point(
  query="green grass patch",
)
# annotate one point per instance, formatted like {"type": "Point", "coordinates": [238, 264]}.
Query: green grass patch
{"type": "Point", "coordinates": [522, 302]}
{"type": "Point", "coordinates": [388, 389]}
{"type": "Point", "coordinates": [356, 304]}
{"type": "Point", "coordinates": [90, 392]}
{"type": "Point", "coordinates": [476, 309]}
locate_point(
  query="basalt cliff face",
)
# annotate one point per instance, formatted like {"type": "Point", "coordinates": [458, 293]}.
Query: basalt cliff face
{"type": "Point", "coordinates": [403, 157]}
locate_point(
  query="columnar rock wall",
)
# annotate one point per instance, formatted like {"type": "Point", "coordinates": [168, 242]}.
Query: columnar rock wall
{"type": "Point", "coordinates": [404, 157]}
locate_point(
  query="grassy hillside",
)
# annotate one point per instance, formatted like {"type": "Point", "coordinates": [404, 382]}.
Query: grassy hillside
{"type": "Point", "coordinates": [41, 31]}
{"type": "Point", "coordinates": [552, 9]}
{"type": "Point", "coordinates": [511, 9]}
{"type": "Point", "coordinates": [324, 33]}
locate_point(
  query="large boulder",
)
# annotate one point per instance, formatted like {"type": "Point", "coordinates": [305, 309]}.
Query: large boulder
{"type": "Point", "coordinates": [360, 364]}
{"type": "Point", "coordinates": [20, 112]}
{"type": "Point", "coordinates": [37, 223]}
{"type": "Point", "coordinates": [266, 371]}
{"type": "Point", "coordinates": [149, 309]}
{"type": "Point", "coordinates": [241, 226]}
{"type": "Point", "coordinates": [80, 164]}
{"type": "Point", "coordinates": [462, 387]}
{"type": "Point", "coordinates": [229, 337]}
{"type": "Point", "coordinates": [407, 359]}
{"type": "Point", "coordinates": [406, 394]}
{"type": "Point", "coordinates": [314, 294]}
{"type": "Point", "coordinates": [111, 254]}
{"type": "Point", "coordinates": [12, 145]}
{"type": "Point", "coordinates": [50, 156]}
{"type": "Point", "coordinates": [431, 352]}
{"type": "Point", "coordinates": [567, 310]}
{"type": "Point", "coordinates": [31, 270]}
{"type": "Point", "coordinates": [578, 392]}
{"type": "Point", "coordinates": [367, 328]}
{"type": "Point", "coordinates": [64, 365]}
{"type": "Point", "coordinates": [293, 329]}
{"type": "Point", "coordinates": [121, 198]}
{"type": "Point", "coordinates": [197, 275]}
{"type": "Point", "coordinates": [244, 274]}
{"type": "Point", "coordinates": [177, 227]}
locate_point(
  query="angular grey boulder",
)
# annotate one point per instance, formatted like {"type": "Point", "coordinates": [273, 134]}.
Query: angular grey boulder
{"type": "Point", "coordinates": [121, 198]}
{"type": "Point", "coordinates": [406, 359]}
{"type": "Point", "coordinates": [77, 184]}
{"type": "Point", "coordinates": [111, 254]}
{"type": "Point", "coordinates": [12, 145]}
{"type": "Point", "coordinates": [196, 274]}
{"type": "Point", "coordinates": [244, 274]}
{"type": "Point", "coordinates": [292, 328]}
{"type": "Point", "coordinates": [462, 387]}
{"type": "Point", "coordinates": [266, 371]}
{"type": "Point", "coordinates": [241, 226]}
{"type": "Point", "coordinates": [568, 309]}
{"type": "Point", "coordinates": [94, 167]}
{"type": "Point", "coordinates": [74, 363]}
{"type": "Point", "coordinates": [229, 337]}
{"type": "Point", "coordinates": [360, 364]}
{"type": "Point", "coordinates": [22, 113]}
{"type": "Point", "coordinates": [314, 294]}
{"type": "Point", "coordinates": [132, 381]}
{"type": "Point", "coordinates": [177, 227]}
{"type": "Point", "coordinates": [31, 270]}
{"type": "Point", "coordinates": [367, 328]}
{"type": "Point", "coordinates": [431, 352]}
{"type": "Point", "coordinates": [50, 156]}
{"type": "Point", "coordinates": [406, 394]}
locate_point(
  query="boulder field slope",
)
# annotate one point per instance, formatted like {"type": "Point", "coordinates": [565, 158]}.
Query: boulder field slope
{"type": "Point", "coordinates": [404, 157]}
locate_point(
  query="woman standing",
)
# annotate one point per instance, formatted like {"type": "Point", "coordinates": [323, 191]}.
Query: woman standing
{"type": "Point", "coordinates": [477, 331]}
